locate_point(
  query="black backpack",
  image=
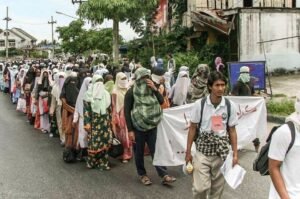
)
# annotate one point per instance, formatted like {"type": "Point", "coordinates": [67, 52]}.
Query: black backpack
{"type": "Point", "coordinates": [203, 100]}
{"type": "Point", "coordinates": [261, 163]}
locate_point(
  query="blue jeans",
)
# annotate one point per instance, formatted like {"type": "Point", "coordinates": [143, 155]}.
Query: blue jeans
{"type": "Point", "coordinates": [141, 138]}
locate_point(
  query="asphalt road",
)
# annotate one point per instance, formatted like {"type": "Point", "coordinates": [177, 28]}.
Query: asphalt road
{"type": "Point", "coordinates": [31, 167]}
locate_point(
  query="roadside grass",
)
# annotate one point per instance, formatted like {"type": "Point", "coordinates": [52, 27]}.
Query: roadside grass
{"type": "Point", "coordinates": [283, 107]}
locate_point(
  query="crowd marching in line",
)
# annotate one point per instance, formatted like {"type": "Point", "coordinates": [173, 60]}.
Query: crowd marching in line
{"type": "Point", "coordinates": [89, 105]}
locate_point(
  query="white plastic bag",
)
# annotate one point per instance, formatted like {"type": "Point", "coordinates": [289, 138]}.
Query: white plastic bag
{"type": "Point", "coordinates": [21, 106]}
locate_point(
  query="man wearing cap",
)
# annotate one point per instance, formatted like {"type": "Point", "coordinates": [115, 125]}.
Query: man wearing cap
{"type": "Point", "coordinates": [243, 86]}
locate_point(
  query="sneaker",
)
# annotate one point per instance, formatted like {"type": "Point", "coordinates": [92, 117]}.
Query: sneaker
{"type": "Point", "coordinates": [145, 180]}
{"type": "Point", "coordinates": [51, 135]}
{"type": "Point", "coordinates": [124, 161]}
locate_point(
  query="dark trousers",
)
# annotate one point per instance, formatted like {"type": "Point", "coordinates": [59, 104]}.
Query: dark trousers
{"type": "Point", "coordinates": [141, 138]}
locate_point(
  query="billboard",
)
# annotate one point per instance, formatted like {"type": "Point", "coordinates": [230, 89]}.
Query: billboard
{"type": "Point", "coordinates": [257, 73]}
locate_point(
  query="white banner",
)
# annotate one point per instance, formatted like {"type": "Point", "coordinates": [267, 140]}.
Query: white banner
{"type": "Point", "coordinates": [173, 129]}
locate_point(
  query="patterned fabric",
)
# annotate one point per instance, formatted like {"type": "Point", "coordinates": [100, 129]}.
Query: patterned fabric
{"type": "Point", "coordinates": [198, 87]}
{"type": "Point", "coordinates": [211, 145]}
{"type": "Point", "coordinates": [100, 137]}
{"type": "Point", "coordinates": [146, 112]}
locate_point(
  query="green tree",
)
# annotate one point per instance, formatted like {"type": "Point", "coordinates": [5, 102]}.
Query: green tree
{"type": "Point", "coordinates": [73, 37]}
{"type": "Point", "coordinates": [131, 11]}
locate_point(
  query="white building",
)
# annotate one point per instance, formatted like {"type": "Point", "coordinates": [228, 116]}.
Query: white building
{"type": "Point", "coordinates": [17, 38]}
{"type": "Point", "coordinates": [255, 30]}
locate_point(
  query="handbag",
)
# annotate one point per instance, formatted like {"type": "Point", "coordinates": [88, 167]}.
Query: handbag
{"type": "Point", "coordinates": [116, 149]}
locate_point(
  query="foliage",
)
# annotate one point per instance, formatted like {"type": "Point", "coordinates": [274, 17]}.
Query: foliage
{"type": "Point", "coordinates": [283, 107]}
{"type": "Point", "coordinates": [11, 52]}
{"type": "Point", "coordinates": [131, 11]}
{"type": "Point", "coordinates": [39, 54]}
{"type": "Point", "coordinates": [190, 59]}
{"type": "Point", "coordinates": [77, 40]}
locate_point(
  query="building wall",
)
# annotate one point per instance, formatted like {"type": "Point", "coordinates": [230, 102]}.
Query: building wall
{"type": "Point", "coordinates": [11, 36]}
{"type": "Point", "coordinates": [258, 25]}
{"type": "Point", "coordinates": [18, 41]}
{"type": "Point", "coordinates": [227, 4]}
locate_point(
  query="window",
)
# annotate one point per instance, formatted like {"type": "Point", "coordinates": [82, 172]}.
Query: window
{"type": "Point", "coordinates": [12, 43]}
{"type": "Point", "coordinates": [248, 3]}
{"type": "Point", "coordinates": [2, 43]}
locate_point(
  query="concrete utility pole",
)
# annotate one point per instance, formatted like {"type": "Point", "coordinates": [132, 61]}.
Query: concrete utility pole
{"type": "Point", "coordinates": [7, 19]}
{"type": "Point", "coordinates": [52, 23]}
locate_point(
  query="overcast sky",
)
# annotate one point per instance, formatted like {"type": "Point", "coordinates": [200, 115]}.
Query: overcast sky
{"type": "Point", "coordinates": [33, 16]}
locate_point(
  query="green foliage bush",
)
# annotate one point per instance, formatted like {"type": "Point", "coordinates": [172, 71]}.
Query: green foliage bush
{"type": "Point", "coordinates": [283, 107]}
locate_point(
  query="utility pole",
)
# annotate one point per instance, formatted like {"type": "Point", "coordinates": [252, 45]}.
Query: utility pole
{"type": "Point", "coordinates": [7, 19]}
{"type": "Point", "coordinates": [52, 23]}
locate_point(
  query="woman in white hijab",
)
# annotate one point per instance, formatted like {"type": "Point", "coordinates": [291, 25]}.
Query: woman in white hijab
{"type": "Point", "coordinates": [78, 117]}
{"type": "Point", "coordinates": [118, 117]}
{"type": "Point", "coordinates": [179, 89]}
{"type": "Point", "coordinates": [56, 103]}
{"type": "Point", "coordinates": [97, 123]}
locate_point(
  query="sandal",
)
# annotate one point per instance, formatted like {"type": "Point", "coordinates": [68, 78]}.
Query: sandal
{"type": "Point", "coordinates": [145, 180]}
{"type": "Point", "coordinates": [168, 179]}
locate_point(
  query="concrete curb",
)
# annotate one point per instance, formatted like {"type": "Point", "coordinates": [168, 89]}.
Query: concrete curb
{"type": "Point", "coordinates": [276, 119]}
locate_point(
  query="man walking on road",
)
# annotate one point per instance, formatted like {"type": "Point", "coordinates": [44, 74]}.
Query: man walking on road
{"type": "Point", "coordinates": [284, 167]}
{"type": "Point", "coordinates": [143, 113]}
{"type": "Point", "coordinates": [213, 139]}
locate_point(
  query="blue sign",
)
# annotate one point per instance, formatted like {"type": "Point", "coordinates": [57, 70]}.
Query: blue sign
{"type": "Point", "coordinates": [257, 73]}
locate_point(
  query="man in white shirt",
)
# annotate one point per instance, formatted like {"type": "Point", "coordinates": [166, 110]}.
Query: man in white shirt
{"type": "Point", "coordinates": [284, 167]}
{"type": "Point", "coordinates": [213, 140]}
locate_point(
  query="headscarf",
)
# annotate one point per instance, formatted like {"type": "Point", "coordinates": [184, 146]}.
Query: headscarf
{"type": "Point", "coordinates": [244, 74]}
{"type": "Point", "coordinates": [120, 90]}
{"type": "Point", "coordinates": [295, 117]}
{"type": "Point", "coordinates": [198, 86]}
{"type": "Point", "coordinates": [22, 76]}
{"type": "Point", "coordinates": [109, 83]}
{"type": "Point", "coordinates": [43, 81]}
{"type": "Point", "coordinates": [219, 65]}
{"type": "Point", "coordinates": [57, 86]}
{"type": "Point", "coordinates": [160, 63]}
{"type": "Point", "coordinates": [153, 61]}
{"type": "Point", "coordinates": [68, 70]}
{"type": "Point", "coordinates": [167, 77]}
{"type": "Point", "coordinates": [146, 113]}
{"type": "Point", "coordinates": [70, 90]}
{"type": "Point", "coordinates": [98, 96]}
{"type": "Point", "coordinates": [180, 88]}
{"type": "Point", "coordinates": [81, 95]}
{"type": "Point", "coordinates": [101, 72]}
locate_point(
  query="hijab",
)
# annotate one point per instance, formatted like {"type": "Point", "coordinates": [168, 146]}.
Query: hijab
{"type": "Point", "coordinates": [57, 86]}
{"type": "Point", "coordinates": [97, 95]}
{"type": "Point", "coordinates": [180, 88]}
{"type": "Point", "coordinates": [82, 92]}
{"type": "Point", "coordinates": [120, 90]}
{"type": "Point", "coordinates": [198, 86]}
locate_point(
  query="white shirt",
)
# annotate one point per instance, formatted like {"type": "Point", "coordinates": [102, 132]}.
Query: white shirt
{"type": "Point", "coordinates": [209, 111]}
{"type": "Point", "coordinates": [290, 167]}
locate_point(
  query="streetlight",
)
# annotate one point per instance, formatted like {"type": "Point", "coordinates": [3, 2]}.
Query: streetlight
{"type": "Point", "coordinates": [80, 2]}
{"type": "Point", "coordinates": [61, 13]}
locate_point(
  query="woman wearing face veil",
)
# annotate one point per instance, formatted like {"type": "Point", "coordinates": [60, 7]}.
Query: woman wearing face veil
{"type": "Point", "coordinates": [97, 117]}
{"type": "Point", "coordinates": [118, 117]}
{"type": "Point", "coordinates": [43, 96]}
{"type": "Point", "coordinates": [68, 97]}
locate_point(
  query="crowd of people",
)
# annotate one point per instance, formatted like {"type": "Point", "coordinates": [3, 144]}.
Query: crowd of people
{"type": "Point", "coordinates": [88, 105]}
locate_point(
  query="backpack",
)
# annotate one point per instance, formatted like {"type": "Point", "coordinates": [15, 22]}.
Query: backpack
{"type": "Point", "coordinates": [203, 100]}
{"type": "Point", "coordinates": [261, 163]}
